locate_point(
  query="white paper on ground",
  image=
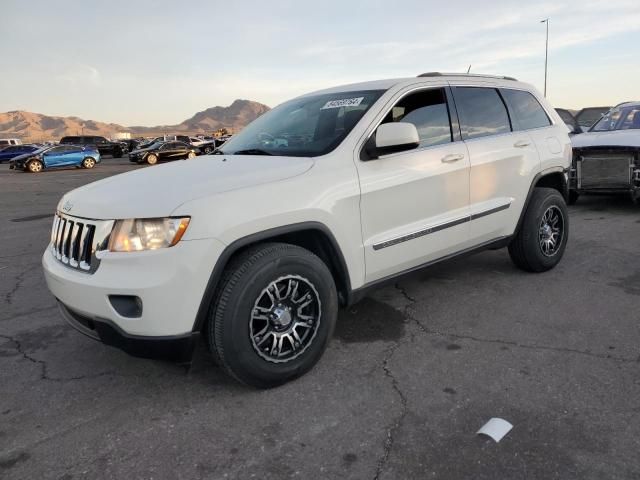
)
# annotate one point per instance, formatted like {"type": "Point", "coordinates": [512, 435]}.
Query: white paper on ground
{"type": "Point", "coordinates": [495, 428]}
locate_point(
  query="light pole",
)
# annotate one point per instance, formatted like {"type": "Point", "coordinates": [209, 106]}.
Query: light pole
{"type": "Point", "coordinates": [546, 55]}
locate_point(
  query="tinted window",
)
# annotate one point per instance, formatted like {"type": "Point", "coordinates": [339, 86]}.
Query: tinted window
{"type": "Point", "coordinates": [526, 109]}
{"type": "Point", "coordinates": [57, 149]}
{"type": "Point", "coordinates": [69, 140]}
{"type": "Point", "coordinates": [482, 112]}
{"type": "Point", "coordinates": [428, 111]}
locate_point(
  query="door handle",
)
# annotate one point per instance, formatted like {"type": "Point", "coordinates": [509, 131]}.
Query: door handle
{"type": "Point", "coordinates": [453, 157]}
{"type": "Point", "coordinates": [521, 144]}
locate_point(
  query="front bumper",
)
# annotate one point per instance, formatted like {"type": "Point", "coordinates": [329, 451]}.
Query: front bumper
{"type": "Point", "coordinates": [169, 282]}
{"type": "Point", "coordinates": [177, 348]}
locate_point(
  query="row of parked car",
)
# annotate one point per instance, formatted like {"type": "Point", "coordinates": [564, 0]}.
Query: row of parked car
{"type": "Point", "coordinates": [86, 151]}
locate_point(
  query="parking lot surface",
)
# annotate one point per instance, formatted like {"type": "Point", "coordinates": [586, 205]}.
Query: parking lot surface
{"type": "Point", "coordinates": [413, 372]}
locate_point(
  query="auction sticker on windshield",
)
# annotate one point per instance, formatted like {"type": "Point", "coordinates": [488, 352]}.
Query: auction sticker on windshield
{"type": "Point", "coordinates": [344, 102]}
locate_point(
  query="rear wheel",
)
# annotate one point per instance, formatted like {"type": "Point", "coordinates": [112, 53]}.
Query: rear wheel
{"type": "Point", "coordinates": [191, 155]}
{"type": "Point", "coordinates": [117, 153]}
{"type": "Point", "coordinates": [152, 159]}
{"type": "Point", "coordinates": [88, 162]}
{"type": "Point", "coordinates": [208, 150]}
{"type": "Point", "coordinates": [34, 166]}
{"type": "Point", "coordinates": [540, 243]}
{"type": "Point", "coordinates": [273, 315]}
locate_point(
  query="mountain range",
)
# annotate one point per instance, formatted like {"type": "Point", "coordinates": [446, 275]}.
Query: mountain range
{"type": "Point", "coordinates": [30, 126]}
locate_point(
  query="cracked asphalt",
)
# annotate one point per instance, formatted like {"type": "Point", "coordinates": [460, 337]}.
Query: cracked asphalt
{"type": "Point", "coordinates": [413, 372]}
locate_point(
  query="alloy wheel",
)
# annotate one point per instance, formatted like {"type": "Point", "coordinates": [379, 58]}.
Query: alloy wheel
{"type": "Point", "coordinates": [551, 231]}
{"type": "Point", "coordinates": [285, 318]}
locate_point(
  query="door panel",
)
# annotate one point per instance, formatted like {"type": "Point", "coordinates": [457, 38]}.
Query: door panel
{"type": "Point", "coordinates": [502, 162]}
{"type": "Point", "coordinates": [414, 205]}
{"type": "Point", "coordinates": [54, 159]}
{"type": "Point", "coordinates": [501, 174]}
{"type": "Point", "coordinates": [413, 208]}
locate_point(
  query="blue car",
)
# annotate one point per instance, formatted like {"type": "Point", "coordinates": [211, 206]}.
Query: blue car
{"type": "Point", "coordinates": [57, 156]}
{"type": "Point", "coordinates": [7, 153]}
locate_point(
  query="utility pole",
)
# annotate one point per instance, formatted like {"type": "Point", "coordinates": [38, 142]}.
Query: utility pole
{"type": "Point", "coordinates": [546, 55]}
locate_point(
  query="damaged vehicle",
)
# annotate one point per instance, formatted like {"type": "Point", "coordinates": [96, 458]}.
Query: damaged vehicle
{"type": "Point", "coordinates": [606, 159]}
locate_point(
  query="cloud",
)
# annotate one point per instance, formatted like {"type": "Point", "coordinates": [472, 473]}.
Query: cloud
{"type": "Point", "coordinates": [81, 75]}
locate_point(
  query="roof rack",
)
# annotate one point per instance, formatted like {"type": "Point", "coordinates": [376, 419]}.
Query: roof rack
{"type": "Point", "coordinates": [440, 74]}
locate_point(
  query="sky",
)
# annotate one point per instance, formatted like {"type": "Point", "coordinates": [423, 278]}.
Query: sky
{"type": "Point", "coordinates": [157, 62]}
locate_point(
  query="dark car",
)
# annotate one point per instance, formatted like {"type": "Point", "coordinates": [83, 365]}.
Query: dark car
{"type": "Point", "coordinates": [606, 159]}
{"type": "Point", "coordinates": [590, 115]}
{"type": "Point", "coordinates": [163, 151]}
{"type": "Point", "coordinates": [104, 146]}
{"type": "Point", "coordinates": [56, 156]}
{"type": "Point", "coordinates": [12, 151]}
{"type": "Point", "coordinates": [570, 121]}
{"type": "Point", "coordinates": [166, 138]}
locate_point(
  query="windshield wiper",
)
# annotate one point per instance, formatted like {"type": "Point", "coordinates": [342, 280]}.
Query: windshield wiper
{"type": "Point", "coordinates": [252, 151]}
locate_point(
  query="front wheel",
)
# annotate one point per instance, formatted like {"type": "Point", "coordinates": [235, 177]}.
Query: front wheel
{"type": "Point", "coordinates": [35, 166]}
{"type": "Point", "coordinates": [540, 243]}
{"type": "Point", "coordinates": [273, 315]}
{"type": "Point", "coordinates": [152, 159]}
{"type": "Point", "coordinates": [88, 163]}
{"type": "Point", "coordinates": [117, 153]}
{"type": "Point", "coordinates": [191, 155]}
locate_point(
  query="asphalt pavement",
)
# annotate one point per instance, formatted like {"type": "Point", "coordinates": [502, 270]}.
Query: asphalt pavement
{"type": "Point", "coordinates": [413, 372]}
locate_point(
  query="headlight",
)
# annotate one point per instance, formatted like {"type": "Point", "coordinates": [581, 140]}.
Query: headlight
{"type": "Point", "coordinates": [135, 235]}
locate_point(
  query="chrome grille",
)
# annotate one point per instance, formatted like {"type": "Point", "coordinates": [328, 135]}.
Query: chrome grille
{"type": "Point", "coordinates": [75, 241]}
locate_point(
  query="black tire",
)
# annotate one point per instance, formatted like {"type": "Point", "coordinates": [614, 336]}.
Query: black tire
{"type": "Point", "coordinates": [117, 153]}
{"type": "Point", "coordinates": [34, 166]}
{"type": "Point", "coordinates": [573, 197]}
{"type": "Point", "coordinates": [527, 249]}
{"type": "Point", "coordinates": [245, 282]}
{"type": "Point", "coordinates": [89, 163]}
{"type": "Point", "coordinates": [208, 150]}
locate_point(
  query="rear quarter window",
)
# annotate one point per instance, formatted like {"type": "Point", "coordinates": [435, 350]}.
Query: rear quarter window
{"type": "Point", "coordinates": [482, 112]}
{"type": "Point", "coordinates": [526, 111]}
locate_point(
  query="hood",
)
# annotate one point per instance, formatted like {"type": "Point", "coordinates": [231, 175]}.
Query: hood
{"type": "Point", "coordinates": [614, 138]}
{"type": "Point", "coordinates": [141, 150]}
{"type": "Point", "coordinates": [157, 191]}
{"type": "Point", "coordinates": [25, 156]}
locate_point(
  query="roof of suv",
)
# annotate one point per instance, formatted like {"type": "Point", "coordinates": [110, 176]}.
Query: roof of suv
{"type": "Point", "coordinates": [388, 83]}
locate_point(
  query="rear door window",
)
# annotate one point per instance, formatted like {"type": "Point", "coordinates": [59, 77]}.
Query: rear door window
{"type": "Point", "coordinates": [526, 111]}
{"type": "Point", "coordinates": [482, 112]}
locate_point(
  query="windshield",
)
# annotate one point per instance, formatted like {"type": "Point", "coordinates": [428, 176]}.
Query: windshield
{"type": "Point", "coordinates": [304, 127]}
{"type": "Point", "coordinates": [619, 118]}
{"type": "Point", "coordinates": [42, 149]}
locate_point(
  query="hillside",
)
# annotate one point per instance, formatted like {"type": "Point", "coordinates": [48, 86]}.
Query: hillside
{"type": "Point", "coordinates": [30, 126]}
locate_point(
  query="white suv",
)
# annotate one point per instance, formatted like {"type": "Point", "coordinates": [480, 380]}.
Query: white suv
{"type": "Point", "coordinates": [314, 203]}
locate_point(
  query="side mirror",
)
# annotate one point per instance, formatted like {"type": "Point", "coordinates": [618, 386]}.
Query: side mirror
{"type": "Point", "coordinates": [394, 137]}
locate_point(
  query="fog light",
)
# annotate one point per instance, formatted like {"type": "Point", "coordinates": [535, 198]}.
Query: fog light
{"type": "Point", "coordinates": [128, 306]}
